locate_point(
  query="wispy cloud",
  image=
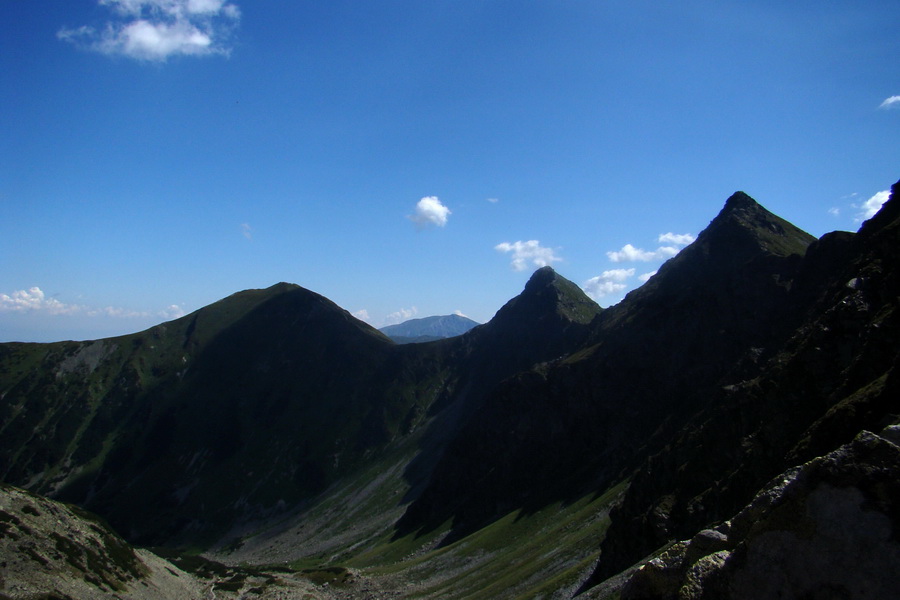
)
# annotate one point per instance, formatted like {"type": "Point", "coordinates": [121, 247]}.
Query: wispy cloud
{"type": "Point", "coordinates": [892, 102]}
{"type": "Point", "coordinates": [34, 300]}
{"type": "Point", "coordinates": [154, 30]}
{"type": "Point", "coordinates": [430, 211]}
{"type": "Point", "coordinates": [871, 206]}
{"type": "Point", "coordinates": [247, 231]}
{"type": "Point", "coordinates": [530, 252]}
{"type": "Point", "coordinates": [644, 277]}
{"type": "Point", "coordinates": [607, 283]}
{"type": "Point", "coordinates": [493, 200]}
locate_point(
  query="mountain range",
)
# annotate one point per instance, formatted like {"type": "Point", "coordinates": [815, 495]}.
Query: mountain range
{"type": "Point", "coordinates": [729, 429]}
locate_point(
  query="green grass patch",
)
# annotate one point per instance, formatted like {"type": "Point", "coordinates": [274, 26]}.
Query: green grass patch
{"type": "Point", "coordinates": [521, 555]}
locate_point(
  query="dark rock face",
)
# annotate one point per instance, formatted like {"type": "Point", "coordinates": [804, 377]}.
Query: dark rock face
{"type": "Point", "coordinates": [826, 529]}
{"type": "Point", "coordinates": [784, 403]}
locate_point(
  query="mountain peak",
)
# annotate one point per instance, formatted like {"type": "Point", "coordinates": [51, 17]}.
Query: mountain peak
{"type": "Point", "coordinates": [548, 294]}
{"type": "Point", "coordinates": [740, 201]}
{"type": "Point", "coordinates": [743, 228]}
{"type": "Point", "coordinates": [541, 278]}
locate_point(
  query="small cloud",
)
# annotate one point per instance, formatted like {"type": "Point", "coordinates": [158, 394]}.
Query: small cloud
{"type": "Point", "coordinates": [404, 314]}
{"type": "Point", "coordinates": [173, 311]}
{"type": "Point", "coordinates": [629, 253]}
{"type": "Point", "coordinates": [892, 102]}
{"type": "Point", "coordinates": [524, 253]}
{"type": "Point", "coordinates": [247, 231]}
{"type": "Point", "coordinates": [493, 200]}
{"type": "Point", "coordinates": [154, 30]}
{"type": "Point", "coordinates": [460, 313]}
{"type": "Point", "coordinates": [362, 315]}
{"type": "Point", "coordinates": [607, 283]}
{"type": "Point", "coordinates": [834, 211]}
{"type": "Point", "coordinates": [871, 206]}
{"type": "Point", "coordinates": [678, 239]}
{"type": "Point", "coordinates": [430, 211]}
{"type": "Point", "coordinates": [644, 277]}
{"type": "Point", "coordinates": [666, 251]}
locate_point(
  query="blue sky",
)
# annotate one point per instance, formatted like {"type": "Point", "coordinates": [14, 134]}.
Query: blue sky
{"type": "Point", "coordinates": [406, 159]}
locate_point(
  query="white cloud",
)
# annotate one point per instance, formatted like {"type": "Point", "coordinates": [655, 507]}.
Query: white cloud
{"type": "Point", "coordinates": [362, 315]}
{"type": "Point", "coordinates": [644, 277]}
{"type": "Point", "coordinates": [677, 239]}
{"type": "Point", "coordinates": [871, 206]}
{"type": "Point", "coordinates": [629, 253]}
{"type": "Point", "coordinates": [607, 283]}
{"type": "Point", "coordinates": [173, 311]}
{"type": "Point", "coordinates": [34, 300]}
{"type": "Point", "coordinates": [460, 313]}
{"type": "Point", "coordinates": [524, 253]}
{"type": "Point", "coordinates": [493, 200]}
{"type": "Point", "coordinates": [834, 211]}
{"type": "Point", "coordinates": [154, 30]}
{"type": "Point", "coordinates": [892, 102]}
{"type": "Point", "coordinates": [247, 231]}
{"type": "Point", "coordinates": [404, 314]}
{"type": "Point", "coordinates": [667, 251]}
{"type": "Point", "coordinates": [430, 211]}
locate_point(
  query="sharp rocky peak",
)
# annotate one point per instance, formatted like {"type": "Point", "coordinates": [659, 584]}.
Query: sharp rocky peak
{"type": "Point", "coordinates": [541, 278]}
{"type": "Point", "coordinates": [744, 228]}
{"type": "Point", "coordinates": [548, 295]}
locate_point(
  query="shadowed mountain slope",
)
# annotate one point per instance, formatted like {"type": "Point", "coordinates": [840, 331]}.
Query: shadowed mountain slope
{"type": "Point", "coordinates": [572, 425]}
{"type": "Point", "coordinates": [243, 407]}
{"type": "Point", "coordinates": [835, 375]}
{"type": "Point", "coordinates": [246, 408]}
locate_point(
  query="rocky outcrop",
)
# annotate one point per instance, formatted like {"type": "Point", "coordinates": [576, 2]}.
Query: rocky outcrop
{"type": "Point", "coordinates": [51, 550]}
{"type": "Point", "coordinates": [826, 529]}
{"type": "Point", "coordinates": [55, 551]}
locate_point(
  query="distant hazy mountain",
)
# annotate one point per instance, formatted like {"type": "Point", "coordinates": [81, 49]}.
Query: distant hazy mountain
{"type": "Point", "coordinates": [429, 328]}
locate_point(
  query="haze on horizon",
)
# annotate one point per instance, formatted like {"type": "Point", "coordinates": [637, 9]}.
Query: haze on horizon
{"type": "Point", "coordinates": [410, 159]}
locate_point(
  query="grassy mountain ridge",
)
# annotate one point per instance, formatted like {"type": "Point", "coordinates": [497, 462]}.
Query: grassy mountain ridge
{"type": "Point", "coordinates": [240, 410]}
